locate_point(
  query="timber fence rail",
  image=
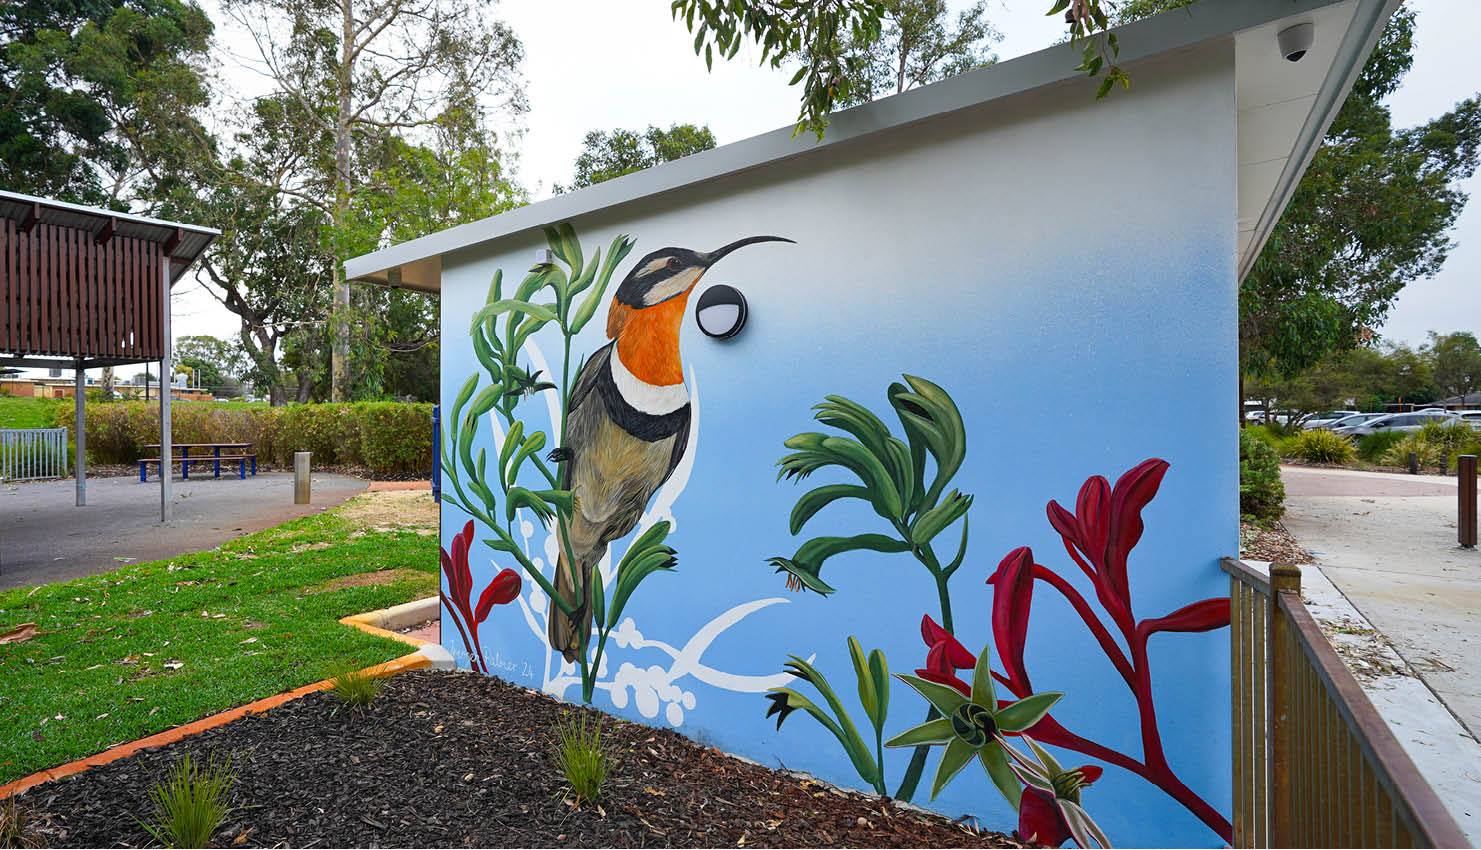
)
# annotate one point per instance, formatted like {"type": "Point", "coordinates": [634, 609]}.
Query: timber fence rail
{"type": "Point", "coordinates": [1314, 763]}
{"type": "Point", "coordinates": [29, 454]}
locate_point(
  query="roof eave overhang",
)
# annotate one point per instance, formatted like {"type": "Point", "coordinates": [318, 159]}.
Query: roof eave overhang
{"type": "Point", "coordinates": [1163, 34]}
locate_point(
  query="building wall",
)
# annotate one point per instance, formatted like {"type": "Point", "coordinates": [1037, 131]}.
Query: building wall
{"type": "Point", "coordinates": [1064, 270]}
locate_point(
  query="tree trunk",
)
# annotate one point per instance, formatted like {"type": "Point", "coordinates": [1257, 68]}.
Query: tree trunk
{"type": "Point", "coordinates": [340, 353]}
{"type": "Point", "coordinates": [305, 386]}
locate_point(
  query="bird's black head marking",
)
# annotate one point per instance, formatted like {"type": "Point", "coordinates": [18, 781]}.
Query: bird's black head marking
{"type": "Point", "coordinates": [670, 272]}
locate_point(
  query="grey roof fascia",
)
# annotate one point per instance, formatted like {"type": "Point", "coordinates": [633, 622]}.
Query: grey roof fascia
{"type": "Point", "coordinates": [1362, 35]}
{"type": "Point", "coordinates": [1161, 34]}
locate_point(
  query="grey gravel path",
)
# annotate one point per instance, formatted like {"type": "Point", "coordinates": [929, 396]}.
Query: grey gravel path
{"type": "Point", "coordinates": [45, 537]}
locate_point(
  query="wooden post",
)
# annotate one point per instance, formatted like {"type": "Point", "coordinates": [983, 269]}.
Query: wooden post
{"type": "Point", "coordinates": [166, 448]}
{"type": "Point", "coordinates": [1284, 578]}
{"type": "Point", "coordinates": [1465, 485]}
{"type": "Point", "coordinates": [79, 402]}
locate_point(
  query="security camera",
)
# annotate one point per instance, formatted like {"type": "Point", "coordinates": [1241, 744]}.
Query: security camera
{"type": "Point", "coordinates": [1295, 40]}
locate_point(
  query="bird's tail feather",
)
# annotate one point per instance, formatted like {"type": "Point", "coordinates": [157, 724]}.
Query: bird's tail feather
{"type": "Point", "coordinates": [566, 631]}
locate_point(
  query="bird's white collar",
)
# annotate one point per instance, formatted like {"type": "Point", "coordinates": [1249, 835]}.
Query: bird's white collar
{"type": "Point", "coordinates": [653, 399]}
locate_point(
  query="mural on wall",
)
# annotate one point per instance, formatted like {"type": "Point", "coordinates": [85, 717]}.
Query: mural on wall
{"type": "Point", "coordinates": [623, 425]}
{"type": "Point", "coordinates": [560, 460]}
{"type": "Point", "coordinates": [973, 721]}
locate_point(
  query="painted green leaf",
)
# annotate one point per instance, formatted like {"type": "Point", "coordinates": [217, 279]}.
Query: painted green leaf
{"type": "Point", "coordinates": [936, 731]}
{"type": "Point", "coordinates": [1024, 713]}
{"type": "Point", "coordinates": [495, 286]}
{"type": "Point", "coordinates": [808, 560]}
{"type": "Point", "coordinates": [983, 692]}
{"type": "Point", "coordinates": [945, 698]}
{"type": "Point", "coordinates": [953, 759]}
{"type": "Point", "coordinates": [508, 305]}
{"type": "Point", "coordinates": [995, 762]}
{"type": "Point", "coordinates": [816, 499]}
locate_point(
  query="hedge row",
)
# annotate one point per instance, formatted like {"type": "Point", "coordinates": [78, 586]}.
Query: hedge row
{"type": "Point", "coordinates": [389, 438]}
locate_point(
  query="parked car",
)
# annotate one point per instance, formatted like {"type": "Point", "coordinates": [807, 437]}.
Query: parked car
{"type": "Point", "coordinates": [1396, 422]}
{"type": "Point", "coordinates": [1471, 417]}
{"type": "Point", "coordinates": [1355, 419]}
{"type": "Point", "coordinates": [1326, 419]}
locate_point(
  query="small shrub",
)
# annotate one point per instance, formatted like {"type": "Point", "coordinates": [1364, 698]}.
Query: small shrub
{"type": "Point", "coordinates": [1448, 437]}
{"type": "Point", "coordinates": [1269, 436]}
{"type": "Point", "coordinates": [15, 825]}
{"type": "Point", "coordinates": [1427, 453]}
{"type": "Point", "coordinates": [1320, 446]}
{"type": "Point", "coordinates": [355, 687]}
{"type": "Point", "coordinates": [582, 757]}
{"type": "Point", "coordinates": [1261, 493]}
{"type": "Point", "coordinates": [1374, 447]}
{"type": "Point", "coordinates": [190, 804]}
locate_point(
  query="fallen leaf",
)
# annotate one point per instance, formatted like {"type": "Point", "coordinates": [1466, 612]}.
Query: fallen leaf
{"type": "Point", "coordinates": [468, 778]}
{"type": "Point", "coordinates": [243, 836]}
{"type": "Point", "coordinates": [437, 728]}
{"type": "Point", "coordinates": [174, 665]}
{"type": "Point", "coordinates": [19, 634]}
{"type": "Point", "coordinates": [250, 640]}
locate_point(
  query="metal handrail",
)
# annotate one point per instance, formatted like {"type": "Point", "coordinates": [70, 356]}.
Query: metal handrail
{"type": "Point", "coordinates": [1314, 763]}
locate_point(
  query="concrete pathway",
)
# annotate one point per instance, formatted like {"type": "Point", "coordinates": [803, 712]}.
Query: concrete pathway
{"type": "Point", "coordinates": [45, 537]}
{"type": "Point", "coordinates": [1388, 542]}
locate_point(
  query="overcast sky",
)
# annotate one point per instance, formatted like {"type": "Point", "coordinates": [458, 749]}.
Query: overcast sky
{"type": "Point", "coordinates": [602, 64]}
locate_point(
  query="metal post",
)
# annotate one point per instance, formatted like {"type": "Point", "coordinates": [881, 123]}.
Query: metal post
{"type": "Point", "coordinates": [1413, 463]}
{"type": "Point", "coordinates": [1444, 463]}
{"type": "Point", "coordinates": [437, 453]}
{"type": "Point", "coordinates": [1284, 578]}
{"type": "Point", "coordinates": [301, 478]}
{"type": "Point", "coordinates": [166, 448]}
{"type": "Point", "coordinates": [1465, 472]}
{"type": "Point", "coordinates": [78, 404]}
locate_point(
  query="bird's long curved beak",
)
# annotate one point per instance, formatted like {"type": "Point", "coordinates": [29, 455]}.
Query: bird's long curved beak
{"type": "Point", "coordinates": [715, 256]}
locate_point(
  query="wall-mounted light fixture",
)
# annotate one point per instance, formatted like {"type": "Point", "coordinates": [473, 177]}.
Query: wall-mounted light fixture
{"type": "Point", "coordinates": [721, 311]}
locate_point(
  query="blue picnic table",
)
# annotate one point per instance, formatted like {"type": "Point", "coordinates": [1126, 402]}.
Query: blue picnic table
{"type": "Point", "coordinates": [180, 453]}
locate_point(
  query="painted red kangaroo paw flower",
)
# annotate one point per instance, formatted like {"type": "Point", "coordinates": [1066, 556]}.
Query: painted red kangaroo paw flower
{"type": "Point", "coordinates": [944, 657]}
{"type": "Point", "coordinates": [1039, 819]}
{"type": "Point", "coordinates": [1133, 492]}
{"type": "Point", "coordinates": [1203, 616]}
{"type": "Point", "coordinates": [961, 658]}
{"type": "Point", "coordinates": [501, 591]}
{"type": "Point", "coordinates": [464, 584]}
{"type": "Point", "coordinates": [1012, 600]}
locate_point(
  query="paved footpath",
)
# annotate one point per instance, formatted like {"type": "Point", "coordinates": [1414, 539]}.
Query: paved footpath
{"type": "Point", "coordinates": [45, 537]}
{"type": "Point", "coordinates": [1387, 544]}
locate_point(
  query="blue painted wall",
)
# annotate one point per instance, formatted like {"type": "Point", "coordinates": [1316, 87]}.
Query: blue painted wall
{"type": "Point", "coordinates": [1065, 269]}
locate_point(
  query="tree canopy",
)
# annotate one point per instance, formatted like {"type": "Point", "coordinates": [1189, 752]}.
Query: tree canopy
{"type": "Point", "coordinates": [90, 89]}
{"type": "Point", "coordinates": [606, 155]}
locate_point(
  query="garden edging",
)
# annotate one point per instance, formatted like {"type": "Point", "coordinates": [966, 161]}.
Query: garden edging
{"type": "Point", "coordinates": [426, 656]}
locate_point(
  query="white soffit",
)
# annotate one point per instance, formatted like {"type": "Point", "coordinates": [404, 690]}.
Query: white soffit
{"type": "Point", "coordinates": [1284, 108]}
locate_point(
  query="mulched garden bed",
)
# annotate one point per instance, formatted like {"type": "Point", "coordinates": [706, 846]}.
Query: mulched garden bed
{"type": "Point", "coordinates": [456, 759]}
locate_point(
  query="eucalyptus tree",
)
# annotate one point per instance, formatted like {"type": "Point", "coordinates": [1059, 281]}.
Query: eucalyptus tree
{"type": "Point", "coordinates": [365, 70]}
{"type": "Point", "coordinates": [93, 92]}
{"type": "Point", "coordinates": [608, 155]}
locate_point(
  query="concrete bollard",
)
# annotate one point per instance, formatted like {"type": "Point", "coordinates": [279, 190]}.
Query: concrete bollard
{"type": "Point", "coordinates": [301, 478]}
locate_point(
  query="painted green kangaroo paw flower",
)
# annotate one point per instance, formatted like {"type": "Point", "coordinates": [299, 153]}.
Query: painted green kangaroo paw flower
{"type": "Point", "coordinates": [945, 698]}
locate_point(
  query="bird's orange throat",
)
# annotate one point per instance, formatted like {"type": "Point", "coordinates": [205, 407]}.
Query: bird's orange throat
{"type": "Point", "coordinates": [648, 339]}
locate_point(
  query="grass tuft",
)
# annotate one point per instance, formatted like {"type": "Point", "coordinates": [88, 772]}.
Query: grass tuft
{"type": "Point", "coordinates": [582, 756]}
{"type": "Point", "coordinates": [353, 685]}
{"type": "Point", "coordinates": [14, 825]}
{"type": "Point", "coordinates": [190, 804]}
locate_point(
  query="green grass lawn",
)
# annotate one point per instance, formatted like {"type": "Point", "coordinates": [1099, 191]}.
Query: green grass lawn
{"type": "Point", "coordinates": [150, 646]}
{"type": "Point", "coordinates": [17, 412]}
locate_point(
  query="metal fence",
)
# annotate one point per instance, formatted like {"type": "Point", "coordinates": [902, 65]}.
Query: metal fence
{"type": "Point", "coordinates": [27, 454]}
{"type": "Point", "coordinates": [1314, 763]}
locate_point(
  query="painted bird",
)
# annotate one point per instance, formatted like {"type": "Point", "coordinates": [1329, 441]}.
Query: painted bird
{"type": "Point", "coordinates": [628, 423]}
